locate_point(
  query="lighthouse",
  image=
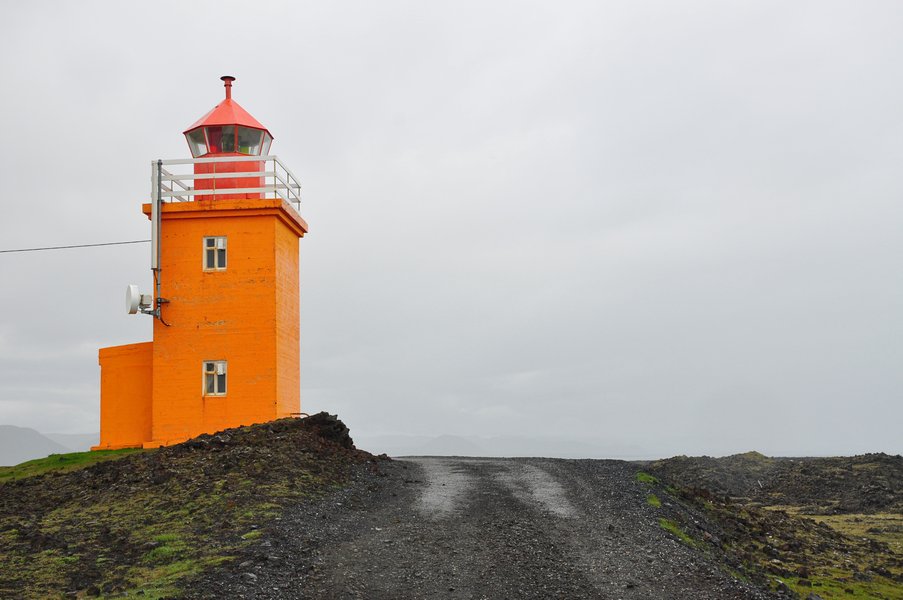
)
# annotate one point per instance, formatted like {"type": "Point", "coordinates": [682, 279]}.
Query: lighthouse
{"type": "Point", "coordinates": [225, 303]}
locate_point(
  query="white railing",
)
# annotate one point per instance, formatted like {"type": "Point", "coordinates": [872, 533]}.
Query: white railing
{"type": "Point", "coordinates": [279, 181]}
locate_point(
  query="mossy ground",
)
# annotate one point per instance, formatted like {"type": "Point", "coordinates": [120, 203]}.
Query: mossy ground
{"type": "Point", "coordinates": [839, 584]}
{"type": "Point", "coordinates": [143, 524]}
{"type": "Point", "coordinates": [833, 556]}
{"type": "Point", "coordinates": [147, 541]}
{"type": "Point", "coordinates": [61, 463]}
{"type": "Point", "coordinates": [855, 576]}
{"type": "Point", "coordinates": [882, 527]}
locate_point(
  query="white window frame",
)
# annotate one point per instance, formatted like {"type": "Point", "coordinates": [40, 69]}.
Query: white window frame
{"type": "Point", "coordinates": [216, 243]}
{"type": "Point", "coordinates": [214, 369]}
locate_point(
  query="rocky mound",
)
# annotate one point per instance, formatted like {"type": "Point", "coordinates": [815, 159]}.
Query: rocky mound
{"type": "Point", "coordinates": [800, 558]}
{"type": "Point", "coordinates": [150, 519]}
{"type": "Point", "coordinates": [858, 484]}
{"type": "Point", "coordinates": [815, 528]}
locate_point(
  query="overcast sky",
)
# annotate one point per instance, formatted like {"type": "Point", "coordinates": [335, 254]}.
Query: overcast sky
{"type": "Point", "coordinates": [673, 227]}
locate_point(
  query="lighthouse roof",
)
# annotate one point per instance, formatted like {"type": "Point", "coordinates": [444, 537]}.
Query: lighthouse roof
{"type": "Point", "coordinates": [228, 112]}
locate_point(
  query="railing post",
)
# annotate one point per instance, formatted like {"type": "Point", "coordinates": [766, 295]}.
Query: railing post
{"type": "Point", "coordinates": [156, 218]}
{"type": "Point", "coordinates": [155, 214]}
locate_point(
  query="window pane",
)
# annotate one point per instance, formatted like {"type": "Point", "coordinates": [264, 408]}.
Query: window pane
{"type": "Point", "coordinates": [211, 381]}
{"type": "Point", "coordinates": [249, 140]}
{"type": "Point", "coordinates": [196, 142]}
{"type": "Point", "coordinates": [228, 138]}
{"type": "Point", "coordinates": [220, 384]}
{"type": "Point", "coordinates": [210, 264]}
{"type": "Point", "coordinates": [267, 140]}
{"type": "Point", "coordinates": [208, 367]}
{"type": "Point", "coordinates": [215, 139]}
{"type": "Point", "coordinates": [210, 242]}
{"type": "Point", "coordinates": [221, 258]}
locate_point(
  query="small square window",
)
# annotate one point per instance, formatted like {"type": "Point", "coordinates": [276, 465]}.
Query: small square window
{"type": "Point", "coordinates": [214, 378]}
{"type": "Point", "coordinates": [214, 253]}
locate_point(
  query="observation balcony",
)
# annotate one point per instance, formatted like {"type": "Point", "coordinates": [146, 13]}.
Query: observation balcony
{"type": "Point", "coordinates": [224, 177]}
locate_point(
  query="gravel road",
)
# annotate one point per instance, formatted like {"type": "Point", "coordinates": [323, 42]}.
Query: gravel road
{"type": "Point", "coordinates": [469, 528]}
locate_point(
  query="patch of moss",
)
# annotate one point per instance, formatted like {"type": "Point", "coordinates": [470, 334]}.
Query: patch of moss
{"type": "Point", "coordinates": [644, 477]}
{"type": "Point", "coordinates": [166, 537]}
{"type": "Point", "coordinates": [675, 530]}
{"type": "Point", "coordinates": [162, 555]}
{"type": "Point", "coordinates": [162, 582]}
{"type": "Point", "coordinates": [653, 501]}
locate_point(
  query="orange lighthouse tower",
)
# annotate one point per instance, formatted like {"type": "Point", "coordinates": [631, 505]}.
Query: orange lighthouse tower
{"type": "Point", "coordinates": [225, 349]}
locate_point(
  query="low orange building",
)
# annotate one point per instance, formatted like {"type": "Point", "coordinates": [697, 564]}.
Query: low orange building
{"type": "Point", "coordinates": [225, 349]}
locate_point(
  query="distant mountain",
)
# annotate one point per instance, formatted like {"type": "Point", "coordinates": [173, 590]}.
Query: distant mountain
{"type": "Point", "coordinates": [18, 444]}
{"type": "Point", "coordinates": [451, 445]}
{"type": "Point", "coordinates": [393, 445]}
{"type": "Point", "coordinates": [501, 446]}
{"type": "Point", "coordinates": [75, 442]}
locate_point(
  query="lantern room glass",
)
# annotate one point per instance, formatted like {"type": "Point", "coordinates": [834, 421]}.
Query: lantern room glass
{"type": "Point", "coordinates": [228, 139]}
{"type": "Point", "coordinates": [197, 142]}
{"type": "Point", "coordinates": [214, 139]}
{"type": "Point", "coordinates": [221, 140]}
{"type": "Point", "coordinates": [249, 141]}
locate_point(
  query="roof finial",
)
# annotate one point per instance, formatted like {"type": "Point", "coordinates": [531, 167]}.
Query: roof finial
{"type": "Point", "coordinates": [228, 79]}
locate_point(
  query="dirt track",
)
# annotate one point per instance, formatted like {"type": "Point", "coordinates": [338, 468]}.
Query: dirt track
{"type": "Point", "coordinates": [478, 528]}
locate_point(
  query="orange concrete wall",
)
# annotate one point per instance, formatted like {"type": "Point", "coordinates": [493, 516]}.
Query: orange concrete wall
{"type": "Point", "coordinates": [288, 342]}
{"type": "Point", "coordinates": [125, 395]}
{"type": "Point", "coordinates": [236, 315]}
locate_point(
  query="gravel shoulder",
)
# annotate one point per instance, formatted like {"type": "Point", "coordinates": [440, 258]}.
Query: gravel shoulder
{"type": "Point", "coordinates": [479, 528]}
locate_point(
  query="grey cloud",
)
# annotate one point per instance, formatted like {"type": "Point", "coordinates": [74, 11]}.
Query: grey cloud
{"type": "Point", "coordinates": [667, 226]}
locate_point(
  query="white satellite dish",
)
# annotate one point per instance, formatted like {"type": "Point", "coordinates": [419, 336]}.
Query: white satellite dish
{"type": "Point", "coordinates": [132, 299]}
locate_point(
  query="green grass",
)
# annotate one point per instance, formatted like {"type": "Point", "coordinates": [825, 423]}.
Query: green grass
{"type": "Point", "coordinates": [675, 530]}
{"type": "Point", "coordinates": [838, 584]}
{"type": "Point", "coordinates": [163, 555]}
{"type": "Point", "coordinates": [61, 463]}
{"type": "Point", "coordinates": [167, 537]}
{"type": "Point", "coordinates": [653, 501]}
{"type": "Point", "coordinates": [162, 582]}
{"type": "Point", "coordinates": [172, 548]}
{"type": "Point", "coordinates": [645, 478]}
{"type": "Point", "coordinates": [881, 527]}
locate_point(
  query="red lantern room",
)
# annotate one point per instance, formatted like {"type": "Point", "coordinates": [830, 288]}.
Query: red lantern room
{"type": "Point", "coordinates": [228, 130]}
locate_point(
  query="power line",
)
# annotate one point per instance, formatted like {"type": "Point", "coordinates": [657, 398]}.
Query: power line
{"type": "Point", "coordinates": [75, 246]}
